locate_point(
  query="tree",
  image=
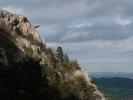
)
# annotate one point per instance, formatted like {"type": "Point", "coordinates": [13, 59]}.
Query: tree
{"type": "Point", "coordinates": [52, 57]}
{"type": "Point", "coordinates": [60, 54]}
{"type": "Point", "coordinates": [75, 64]}
{"type": "Point", "coordinates": [66, 58]}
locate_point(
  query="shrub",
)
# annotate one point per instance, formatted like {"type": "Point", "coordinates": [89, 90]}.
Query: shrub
{"type": "Point", "coordinates": [29, 51]}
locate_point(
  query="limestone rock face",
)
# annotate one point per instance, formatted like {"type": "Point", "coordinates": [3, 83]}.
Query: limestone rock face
{"type": "Point", "coordinates": [84, 73]}
{"type": "Point", "coordinates": [18, 25]}
{"type": "Point", "coordinates": [22, 33]}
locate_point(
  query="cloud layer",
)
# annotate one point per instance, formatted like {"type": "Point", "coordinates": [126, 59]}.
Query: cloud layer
{"type": "Point", "coordinates": [99, 33]}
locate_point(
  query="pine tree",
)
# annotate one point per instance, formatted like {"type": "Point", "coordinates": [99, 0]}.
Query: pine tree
{"type": "Point", "coordinates": [60, 54]}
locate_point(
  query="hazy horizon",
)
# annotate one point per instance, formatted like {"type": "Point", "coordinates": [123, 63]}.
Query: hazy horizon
{"type": "Point", "coordinates": [98, 33]}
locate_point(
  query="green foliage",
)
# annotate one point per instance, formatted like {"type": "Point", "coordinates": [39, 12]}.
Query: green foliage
{"type": "Point", "coordinates": [76, 89]}
{"type": "Point", "coordinates": [60, 54]}
{"type": "Point", "coordinates": [51, 56]}
{"type": "Point", "coordinates": [61, 61]}
{"type": "Point", "coordinates": [71, 88]}
{"type": "Point", "coordinates": [75, 64]}
{"type": "Point", "coordinates": [29, 51]}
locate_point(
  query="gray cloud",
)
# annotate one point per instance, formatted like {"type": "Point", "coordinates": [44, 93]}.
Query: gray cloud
{"type": "Point", "coordinates": [96, 32]}
{"type": "Point", "coordinates": [56, 16]}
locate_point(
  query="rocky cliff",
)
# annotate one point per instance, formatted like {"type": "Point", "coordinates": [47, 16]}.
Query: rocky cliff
{"type": "Point", "coordinates": [29, 70]}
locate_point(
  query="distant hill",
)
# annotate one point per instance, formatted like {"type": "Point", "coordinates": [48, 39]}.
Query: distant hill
{"type": "Point", "coordinates": [112, 74]}
{"type": "Point", "coordinates": [115, 82]}
{"type": "Point", "coordinates": [116, 88]}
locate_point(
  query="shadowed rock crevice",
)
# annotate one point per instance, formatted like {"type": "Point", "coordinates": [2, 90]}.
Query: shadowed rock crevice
{"type": "Point", "coordinates": [18, 80]}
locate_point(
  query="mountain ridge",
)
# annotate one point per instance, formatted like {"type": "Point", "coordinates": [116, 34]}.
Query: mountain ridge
{"type": "Point", "coordinates": [34, 71]}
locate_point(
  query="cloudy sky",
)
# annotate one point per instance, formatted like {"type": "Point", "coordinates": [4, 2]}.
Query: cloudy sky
{"type": "Point", "coordinates": [98, 33]}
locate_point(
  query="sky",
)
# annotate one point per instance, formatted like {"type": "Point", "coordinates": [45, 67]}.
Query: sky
{"type": "Point", "coordinates": [98, 33]}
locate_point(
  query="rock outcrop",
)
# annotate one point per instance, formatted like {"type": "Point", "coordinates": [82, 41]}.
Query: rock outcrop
{"type": "Point", "coordinates": [88, 79]}
{"type": "Point", "coordinates": [22, 33]}
{"type": "Point", "coordinates": [29, 70]}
